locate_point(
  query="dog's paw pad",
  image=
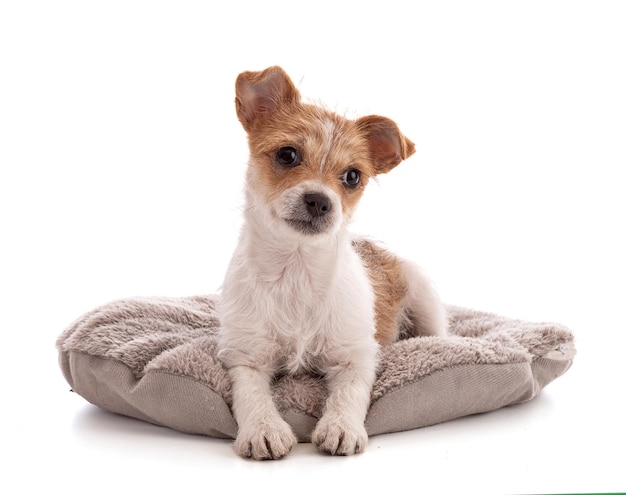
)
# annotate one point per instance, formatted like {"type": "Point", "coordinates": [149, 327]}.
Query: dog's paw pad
{"type": "Point", "coordinates": [265, 441]}
{"type": "Point", "coordinates": [339, 437]}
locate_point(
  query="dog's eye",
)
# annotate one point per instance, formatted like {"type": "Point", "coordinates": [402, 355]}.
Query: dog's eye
{"type": "Point", "coordinates": [351, 178]}
{"type": "Point", "coordinates": [288, 156]}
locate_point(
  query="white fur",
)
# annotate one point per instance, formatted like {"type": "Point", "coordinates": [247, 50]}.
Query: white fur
{"type": "Point", "coordinates": [329, 134]}
{"type": "Point", "coordinates": [293, 301]}
{"type": "Point", "coordinates": [423, 310]}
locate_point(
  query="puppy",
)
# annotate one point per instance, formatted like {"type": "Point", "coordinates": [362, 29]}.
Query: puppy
{"type": "Point", "coordinates": [300, 292]}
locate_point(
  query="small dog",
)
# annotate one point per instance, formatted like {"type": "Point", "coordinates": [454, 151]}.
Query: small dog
{"type": "Point", "coordinates": [300, 292]}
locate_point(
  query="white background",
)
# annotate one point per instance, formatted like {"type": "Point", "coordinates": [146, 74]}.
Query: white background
{"type": "Point", "coordinates": [122, 165]}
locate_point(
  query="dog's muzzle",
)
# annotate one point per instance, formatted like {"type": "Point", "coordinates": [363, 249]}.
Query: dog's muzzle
{"type": "Point", "coordinates": [313, 214]}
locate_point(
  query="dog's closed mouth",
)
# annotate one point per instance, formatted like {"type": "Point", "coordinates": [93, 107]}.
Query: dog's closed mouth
{"type": "Point", "coordinates": [313, 226]}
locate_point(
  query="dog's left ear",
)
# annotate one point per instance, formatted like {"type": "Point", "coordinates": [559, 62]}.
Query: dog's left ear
{"type": "Point", "coordinates": [388, 146]}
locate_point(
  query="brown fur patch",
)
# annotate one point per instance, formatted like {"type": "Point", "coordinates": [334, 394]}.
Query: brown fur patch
{"type": "Point", "coordinates": [390, 288]}
{"type": "Point", "coordinates": [327, 143]}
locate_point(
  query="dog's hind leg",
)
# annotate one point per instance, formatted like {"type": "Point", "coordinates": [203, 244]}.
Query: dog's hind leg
{"type": "Point", "coordinates": [423, 312]}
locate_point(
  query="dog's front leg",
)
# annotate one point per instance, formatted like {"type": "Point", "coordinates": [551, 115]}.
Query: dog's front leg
{"type": "Point", "coordinates": [341, 429]}
{"type": "Point", "coordinates": [263, 433]}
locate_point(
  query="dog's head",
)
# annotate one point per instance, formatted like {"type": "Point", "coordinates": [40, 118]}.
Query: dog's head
{"type": "Point", "coordinates": [309, 166]}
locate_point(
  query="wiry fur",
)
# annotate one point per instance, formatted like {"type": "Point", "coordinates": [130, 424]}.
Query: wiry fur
{"type": "Point", "coordinates": [300, 292]}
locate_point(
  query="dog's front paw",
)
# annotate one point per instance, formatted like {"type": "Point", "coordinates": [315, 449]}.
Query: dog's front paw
{"type": "Point", "coordinates": [338, 436]}
{"type": "Point", "coordinates": [268, 440]}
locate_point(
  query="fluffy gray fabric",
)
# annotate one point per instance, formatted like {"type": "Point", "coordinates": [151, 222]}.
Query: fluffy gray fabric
{"type": "Point", "coordinates": [155, 359]}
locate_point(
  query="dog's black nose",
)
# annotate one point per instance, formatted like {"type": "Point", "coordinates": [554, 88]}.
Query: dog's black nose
{"type": "Point", "coordinates": [317, 204]}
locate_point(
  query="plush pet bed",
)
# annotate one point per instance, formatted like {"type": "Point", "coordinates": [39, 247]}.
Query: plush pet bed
{"type": "Point", "coordinates": [155, 359]}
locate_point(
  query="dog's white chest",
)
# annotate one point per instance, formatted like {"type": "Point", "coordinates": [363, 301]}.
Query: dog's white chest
{"type": "Point", "coordinates": [297, 311]}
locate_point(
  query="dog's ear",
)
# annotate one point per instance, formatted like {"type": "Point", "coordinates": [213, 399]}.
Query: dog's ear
{"type": "Point", "coordinates": [388, 147]}
{"type": "Point", "coordinates": [260, 94]}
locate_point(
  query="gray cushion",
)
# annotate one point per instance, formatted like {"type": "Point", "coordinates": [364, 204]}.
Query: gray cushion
{"type": "Point", "coordinates": [155, 359]}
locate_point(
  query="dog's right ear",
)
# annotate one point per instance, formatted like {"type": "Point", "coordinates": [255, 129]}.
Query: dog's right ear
{"type": "Point", "coordinates": [260, 94]}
